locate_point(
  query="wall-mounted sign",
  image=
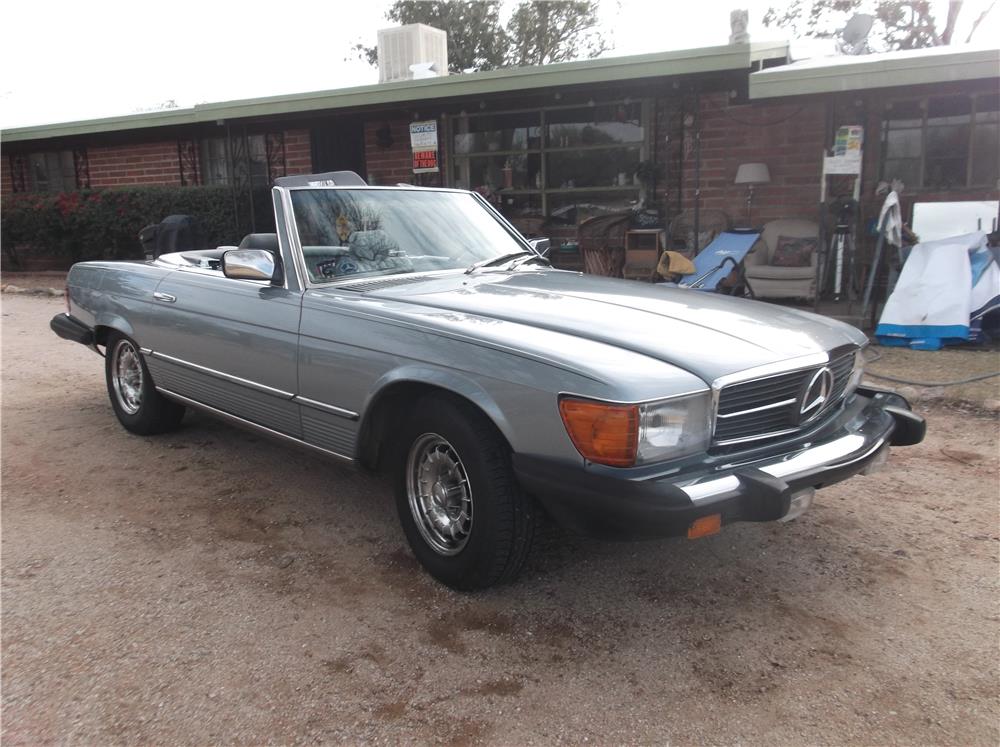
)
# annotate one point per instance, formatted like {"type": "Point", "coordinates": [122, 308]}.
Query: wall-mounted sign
{"type": "Point", "coordinates": [424, 144]}
{"type": "Point", "coordinates": [847, 152]}
{"type": "Point", "coordinates": [848, 141]}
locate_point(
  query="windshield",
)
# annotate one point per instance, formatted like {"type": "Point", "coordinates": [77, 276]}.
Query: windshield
{"type": "Point", "coordinates": [364, 232]}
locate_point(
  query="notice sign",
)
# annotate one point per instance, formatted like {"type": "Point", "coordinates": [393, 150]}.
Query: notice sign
{"type": "Point", "coordinates": [424, 144]}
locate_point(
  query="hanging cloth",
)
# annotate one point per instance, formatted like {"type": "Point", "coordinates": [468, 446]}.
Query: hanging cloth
{"type": "Point", "coordinates": [891, 220]}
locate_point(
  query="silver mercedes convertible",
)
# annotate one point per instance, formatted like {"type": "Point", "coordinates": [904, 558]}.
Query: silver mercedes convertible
{"type": "Point", "coordinates": [416, 331]}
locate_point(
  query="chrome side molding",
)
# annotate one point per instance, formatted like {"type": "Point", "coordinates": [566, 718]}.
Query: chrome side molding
{"type": "Point", "coordinates": [237, 420]}
{"type": "Point", "coordinates": [305, 401]}
{"type": "Point", "coordinates": [224, 376]}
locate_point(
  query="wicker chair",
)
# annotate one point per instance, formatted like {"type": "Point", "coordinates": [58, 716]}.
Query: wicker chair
{"type": "Point", "coordinates": [680, 232]}
{"type": "Point", "coordinates": [602, 244]}
{"type": "Point", "coordinates": [529, 227]}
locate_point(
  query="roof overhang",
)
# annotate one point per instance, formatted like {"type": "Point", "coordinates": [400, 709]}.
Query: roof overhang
{"type": "Point", "coordinates": [509, 80]}
{"type": "Point", "coordinates": [887, 70]}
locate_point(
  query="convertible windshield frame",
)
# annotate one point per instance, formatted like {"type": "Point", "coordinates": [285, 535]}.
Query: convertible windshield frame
{"type": "Point", "coordinates": [298, 254]}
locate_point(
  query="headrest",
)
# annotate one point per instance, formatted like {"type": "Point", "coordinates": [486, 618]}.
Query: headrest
{"type": "Point", "coordinates": [371, 245]}
{"type": "Point", "coordinates": [267, 241]}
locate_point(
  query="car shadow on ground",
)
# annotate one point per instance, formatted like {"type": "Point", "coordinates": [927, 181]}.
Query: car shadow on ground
{"type": "Point", "coordinates": [319, 524]}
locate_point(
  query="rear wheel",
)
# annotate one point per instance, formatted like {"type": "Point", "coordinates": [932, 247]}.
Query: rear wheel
{"type": "Point", "coordinates": [137, 404]}
{"type": "Point", "coordinates": [464, 514]}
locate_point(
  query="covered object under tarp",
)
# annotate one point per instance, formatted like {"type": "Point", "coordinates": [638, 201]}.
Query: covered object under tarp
{"type": "Point", "coordinates": [945, 289]}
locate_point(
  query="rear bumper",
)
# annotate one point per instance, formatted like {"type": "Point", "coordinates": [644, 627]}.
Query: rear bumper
{"type": "Point", "coordinates": [606, 506]}
{"type": "Point", "coordinates": [71, 328]}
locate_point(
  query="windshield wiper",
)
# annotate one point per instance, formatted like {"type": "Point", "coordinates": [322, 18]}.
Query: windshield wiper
{"type": "Point", "coordinates": [523, 260]}
{"type": "Point", "coordinates": [496, 261]}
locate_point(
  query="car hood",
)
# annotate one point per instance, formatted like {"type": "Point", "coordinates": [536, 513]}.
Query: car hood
{"type": "Point", "coordinates": [707, 334]}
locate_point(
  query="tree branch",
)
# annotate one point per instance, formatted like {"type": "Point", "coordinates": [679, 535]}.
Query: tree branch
{"type": "Point", "coordinates": [982, 17]}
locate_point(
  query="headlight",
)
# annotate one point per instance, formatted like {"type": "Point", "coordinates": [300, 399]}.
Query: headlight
{"type": "Point", "coordinates": [622, 435]}
{"type": "Point", "coordinates": [856, 373]}
{"type": "Point", "coordinates": [673, 428]}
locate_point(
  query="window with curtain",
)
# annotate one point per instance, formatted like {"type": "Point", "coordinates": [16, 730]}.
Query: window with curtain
{"type": "Point", "coordinates": [218, 163]}
{"type": "Point", "coordinates": [52, 171]}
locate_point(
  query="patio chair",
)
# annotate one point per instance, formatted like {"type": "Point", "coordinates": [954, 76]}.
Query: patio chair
{"type": "Point", "coordinates": [719, 260]}
{"type": "Point", "coordinates": [602, 244]}
{"type": "Point", "coordinates": [529, 227]}
{"type": "Point", "coordinates": [785, 266]}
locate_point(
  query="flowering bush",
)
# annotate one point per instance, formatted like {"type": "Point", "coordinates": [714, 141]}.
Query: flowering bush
{"type": "Point", "coordinates": [104, 224]}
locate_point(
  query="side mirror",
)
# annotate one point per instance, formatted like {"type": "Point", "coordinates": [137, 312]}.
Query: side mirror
{"type": "Point", "coordinates": [251, 264]}
{"type": "Point", "coordinates": [541, 245]}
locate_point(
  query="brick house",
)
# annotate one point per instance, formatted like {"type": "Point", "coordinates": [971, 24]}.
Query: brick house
{"type": "Point", "coordinates": [558, 143]}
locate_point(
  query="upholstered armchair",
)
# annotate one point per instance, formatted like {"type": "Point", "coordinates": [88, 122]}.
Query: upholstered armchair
{"type": "Point", "coordinates": [783, 265]}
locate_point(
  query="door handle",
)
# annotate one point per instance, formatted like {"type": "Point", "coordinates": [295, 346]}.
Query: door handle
{"type": "Point", "coordinates": [165, 297]}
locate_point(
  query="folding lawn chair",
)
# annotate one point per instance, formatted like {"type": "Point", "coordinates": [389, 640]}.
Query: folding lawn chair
{"type": "Point", "coordinates": [716, 261]}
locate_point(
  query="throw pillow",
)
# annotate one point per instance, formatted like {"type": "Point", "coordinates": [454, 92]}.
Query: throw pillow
{"type": "Point", "coordinates": [793, 252]}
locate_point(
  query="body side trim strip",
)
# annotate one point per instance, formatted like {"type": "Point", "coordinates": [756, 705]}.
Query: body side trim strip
{"type": "Point", "coordinates": [227, 377]}
{"type": "Point", "coordinates": [251, 425]}
{"type": "Point", "coordinates": [349, 414]}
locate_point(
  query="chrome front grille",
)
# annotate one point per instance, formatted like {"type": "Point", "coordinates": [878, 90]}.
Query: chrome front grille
{"type": "Point", "coordinates": [752, 412]}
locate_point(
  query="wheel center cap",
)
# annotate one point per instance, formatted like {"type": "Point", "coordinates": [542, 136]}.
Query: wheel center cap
{"type": "Point", "coordinates": [440, 494]}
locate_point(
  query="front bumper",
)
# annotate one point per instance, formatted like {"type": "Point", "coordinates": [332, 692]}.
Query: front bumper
{"type": "Point", "coordinates": [603, 505]}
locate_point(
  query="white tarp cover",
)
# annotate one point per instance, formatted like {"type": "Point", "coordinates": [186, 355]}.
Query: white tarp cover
{"type": "Point", "coordinates": [933, 303]}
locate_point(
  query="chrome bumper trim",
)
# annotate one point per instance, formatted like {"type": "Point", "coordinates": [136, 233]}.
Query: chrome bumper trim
{"type": "Point", "coordinates": [841, 452]}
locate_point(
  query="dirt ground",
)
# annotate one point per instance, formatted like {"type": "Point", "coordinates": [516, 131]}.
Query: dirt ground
{"type": "Point", "coordinates": [210, 586]}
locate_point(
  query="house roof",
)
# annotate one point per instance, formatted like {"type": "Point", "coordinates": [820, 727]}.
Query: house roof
{"type": "Point", "coordinates": [887, 69]}
{"type": "Point", "coordinates": [601, 70]}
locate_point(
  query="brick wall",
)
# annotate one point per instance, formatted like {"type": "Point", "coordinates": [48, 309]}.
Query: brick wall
{"type": "Point", "coordinates": [6, 183]}
{"type": "Point", "coordinates": [298, 152]}
{"type": "Point", "coordinates": [788, 137]}
{"type": "Point", "coordinates": [143, 164]}
{"type": "Point", "coordinates": [393, 164]}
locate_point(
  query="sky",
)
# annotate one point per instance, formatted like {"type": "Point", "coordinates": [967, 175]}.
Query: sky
{"type": "Point", "coordinates": [63, 61]}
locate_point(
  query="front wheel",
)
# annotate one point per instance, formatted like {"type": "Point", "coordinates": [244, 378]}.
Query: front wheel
{"type": "Point", "coordinates": [139, 407]}
{"type": "Point", "coordinates": [464, 514]}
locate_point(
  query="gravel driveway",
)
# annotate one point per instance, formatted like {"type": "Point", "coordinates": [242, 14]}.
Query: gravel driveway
{"type": "Point", "coordinates": [212, 587]}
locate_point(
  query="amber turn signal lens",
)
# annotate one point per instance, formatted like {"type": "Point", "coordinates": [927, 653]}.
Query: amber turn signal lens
{"type": "Point", "coordinates": [602, 432]}
{"type": "Point", "coordinates": [705, 526]}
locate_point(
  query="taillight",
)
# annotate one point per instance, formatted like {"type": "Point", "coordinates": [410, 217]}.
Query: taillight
{"type": "Point", "coordinates": [602, 432]}
{"type": "Point", "coordinates": [66, 296]}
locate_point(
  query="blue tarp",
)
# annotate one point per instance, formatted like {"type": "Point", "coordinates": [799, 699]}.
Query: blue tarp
{"type": "Point", "coordinates": [944, 289]}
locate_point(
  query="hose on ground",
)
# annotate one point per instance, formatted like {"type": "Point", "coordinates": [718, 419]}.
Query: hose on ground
{"type": "Point", "coordinates": [898, 380]}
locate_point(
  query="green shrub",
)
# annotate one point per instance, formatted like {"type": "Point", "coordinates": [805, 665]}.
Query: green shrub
{"type": "Point", "coordinates": [104, 224]}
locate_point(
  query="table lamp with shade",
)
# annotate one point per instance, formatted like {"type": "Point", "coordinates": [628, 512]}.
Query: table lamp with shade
{"type": "Point", "coordinates": [751, 174]}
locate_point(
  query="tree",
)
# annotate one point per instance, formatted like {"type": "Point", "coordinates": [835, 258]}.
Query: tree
{"type": "Point", "coordinates": [162, 106]}
{"type": "Point", "coordinates": [899, 24]}
{"type": "Point", "coordinates": [547, 31]}
{"type": "Point", "coordinates": [538, 32]}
